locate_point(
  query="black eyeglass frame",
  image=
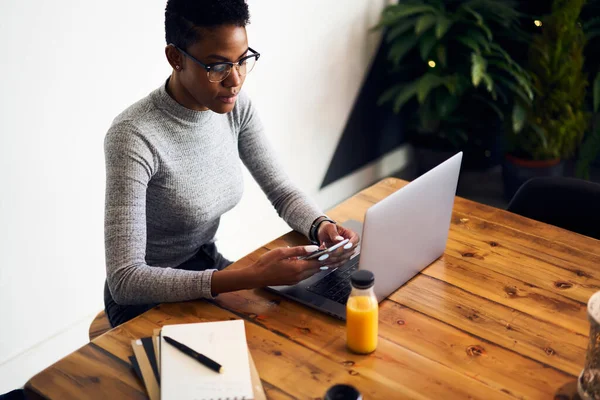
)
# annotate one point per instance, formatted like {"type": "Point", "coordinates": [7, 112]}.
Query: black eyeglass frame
{"type": "Point", "coordinates": [210, 66]}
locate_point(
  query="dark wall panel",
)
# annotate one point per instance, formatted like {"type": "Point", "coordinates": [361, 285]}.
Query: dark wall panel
{"type": "Point", "coordinates": [371, 130]}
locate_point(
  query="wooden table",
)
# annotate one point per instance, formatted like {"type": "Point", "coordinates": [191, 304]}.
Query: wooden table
{"type": "Point", "coordinates": [501, 315]}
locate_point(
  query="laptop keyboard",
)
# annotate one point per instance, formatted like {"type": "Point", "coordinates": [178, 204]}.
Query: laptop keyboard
{"type": "Point", "coordinates": [336, 285]}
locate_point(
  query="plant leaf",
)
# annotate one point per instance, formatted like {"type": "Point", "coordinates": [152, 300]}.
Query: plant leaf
{"type": "Point", "coordinates": [441, 55]}
{"type": "Point", "coordinates": [389, 94]}
{"type": "Point", "coordinates": [402, 46]}
{"type": "Point", "coordinates": [481, 25]}
{"type": "Point", "coordinates": [474, 13]}
{"type": "Point", "coordinates": [446, 103]}
{"type": "Point", "coordinates": [470, 43]}
{"type": "Point", "coordinates": [499, 90]}
{"type": "Point", "coordinates": [492, 105]}
{"type": "Point", "coordinates": [514, 88]}
{"type": "Point", "coordinates": [518, 117]}
{"type": "Point", "coordinates": [425, 84]}
{"type": "Point", "coordinates": [541, 134]}
{"type": "Point", "coordinates": [478, 66]}
{"type": "Point", "coordinates": [397, 12]}
{"type": "Point", "coordinates": [394, 14]}
{"type": "Point", "coordinates": [503, 12]}
{"type": "Point", "coordinates": [589, 35]}
{"type": "Point", "coordinates": [451, 84]}
{"type": "Point", "coordinates": [588, 152]}
{"type": "Point", "coordinates": [404, 95]}
{"type": "Point", "coordinates": [400, 28]}
{"type": "Point", "coordinates": [519, 76]}
{"type": "Point", "coordinates": [479, 73]}
{"type": "Point", "coordinates": [443, 24]}
{"type": "Point", "coordinates": [457, 84]}
{"type": "Point", "coordinates": [479, 38]}
{"type": "Point", "coordinates": [591, 23]}
{"type": "Point", "coordinates": [596, 92]}
{"type": "Point", "coordinates": [497, 48]}
{"type": "Point", "coordinates": [489, 84]}
{"type": "Point", "coordinates": [426, 44]}
{"type": "Point", "coordinates": [428, 117]}
{"type": "Point", "coordinates": [425, 22]}
{"type": "Point", "coordinates": [479, 21]}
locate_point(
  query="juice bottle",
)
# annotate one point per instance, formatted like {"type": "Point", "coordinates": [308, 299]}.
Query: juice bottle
{"type": "Point", "coordinates": [362, 314]}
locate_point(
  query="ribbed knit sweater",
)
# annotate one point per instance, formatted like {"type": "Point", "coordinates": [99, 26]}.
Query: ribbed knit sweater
{"type": "Point", "coordinates": [171, 172]}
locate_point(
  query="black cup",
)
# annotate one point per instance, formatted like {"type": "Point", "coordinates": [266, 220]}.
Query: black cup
{"type": "Point", "coordinates": [342, 392]}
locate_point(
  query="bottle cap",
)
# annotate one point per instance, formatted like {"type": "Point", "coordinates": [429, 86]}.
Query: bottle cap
{"type": "Point", "coordinates": [362, 279]}
{"type": "Point", "coordinates": [342, 392]}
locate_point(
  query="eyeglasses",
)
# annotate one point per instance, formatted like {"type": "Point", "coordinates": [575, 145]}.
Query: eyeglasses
{"type": "Point", "coordinates": [218, 72]}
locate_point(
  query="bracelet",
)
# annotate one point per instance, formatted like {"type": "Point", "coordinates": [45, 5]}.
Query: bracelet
{"type": "Point", "coordinates": [314, 228]}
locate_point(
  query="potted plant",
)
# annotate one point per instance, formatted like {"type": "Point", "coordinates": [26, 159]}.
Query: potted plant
{"type": "Point", "coordinates": [590, 147]}
{"type": "Point", "coordinates": [548, 130]}
{"type": "Point", "coordinates": [448, 66]}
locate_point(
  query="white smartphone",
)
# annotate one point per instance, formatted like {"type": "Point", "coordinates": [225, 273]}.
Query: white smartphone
{"type": "Point", "coordinates": [319, 253]}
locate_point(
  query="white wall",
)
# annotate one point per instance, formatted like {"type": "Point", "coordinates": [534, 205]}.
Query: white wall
{"type": "Point", "coordinates": [314, 57]}
{"type": "Point", "coordinates": [69, 67]}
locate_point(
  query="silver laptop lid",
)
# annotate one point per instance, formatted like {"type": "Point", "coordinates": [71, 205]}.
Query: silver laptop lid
{"type": "Point", "coordinates": [408, 230]}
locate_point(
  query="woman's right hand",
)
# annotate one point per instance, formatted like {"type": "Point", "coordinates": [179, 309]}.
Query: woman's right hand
{"type": "Point", "coordinates": [281, 266]}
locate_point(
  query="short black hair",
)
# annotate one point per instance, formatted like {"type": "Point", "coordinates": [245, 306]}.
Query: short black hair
{"type": "Point", "coordinates": [184, 17]}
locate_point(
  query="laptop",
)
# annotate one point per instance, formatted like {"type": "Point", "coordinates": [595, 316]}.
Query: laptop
{"type": "Point", "coordinates": [401, 235]}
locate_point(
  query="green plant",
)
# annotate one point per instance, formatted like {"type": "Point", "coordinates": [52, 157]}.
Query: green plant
{"type": "Point", "coordinates": [591, 145]}
{"type": "Point", "coordinates": [455, 58]}
{"type": "Point", "coordinates": [553, 125]}
{"type": "Point", "coordinates": [591, 28]}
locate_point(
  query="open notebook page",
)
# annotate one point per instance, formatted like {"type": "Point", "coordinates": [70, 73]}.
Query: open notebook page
{"type": "Point", "coordinates": [184, 378]}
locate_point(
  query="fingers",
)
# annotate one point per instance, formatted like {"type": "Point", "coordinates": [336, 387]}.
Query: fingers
{"type": "Point", "coordinates": [349, 234]}
{"type": "Point", "coordinates": [344, 252]}
{"type": "Point", "coordinates": [303, 268]}
{"type": "Point", "coordinates": [308, 273]}
{"type": "Point", "coordinates": [329, 234]}
{"type": "Point", "coordinates": [333, 266]}
{"type": "Point", "coordinates": [300, 265]}
{"type": "Point", "coordinates": [336, 254]}
{"type": "Point", "coordinates": [332, 234]}
{"type": "Point", "coordinates": [283, 253]}
{"type": "Point", "coordinates": [341, 256]}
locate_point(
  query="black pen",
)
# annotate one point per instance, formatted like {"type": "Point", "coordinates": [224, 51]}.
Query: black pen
{"type": "Point", "coordinates": [202, 359]}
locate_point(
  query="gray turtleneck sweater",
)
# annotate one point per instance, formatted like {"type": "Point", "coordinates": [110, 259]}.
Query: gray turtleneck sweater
{"type": "Point", "coordinates": [171, 173]}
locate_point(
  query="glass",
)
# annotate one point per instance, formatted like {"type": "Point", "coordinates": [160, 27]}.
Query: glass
{"type": "Point", "coordinates": [362, 314]}
{"type": "Point", "coordinates": [218, 72]}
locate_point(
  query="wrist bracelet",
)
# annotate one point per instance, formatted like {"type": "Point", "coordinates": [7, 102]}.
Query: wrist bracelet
{"type": "Point", "coordinates": [314, 229]}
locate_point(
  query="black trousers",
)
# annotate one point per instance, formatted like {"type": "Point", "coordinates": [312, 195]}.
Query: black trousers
{"type": "Point", "coordinates": [208, 257]}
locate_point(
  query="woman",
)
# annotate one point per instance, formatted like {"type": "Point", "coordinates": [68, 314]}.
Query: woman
{"type": "Point", "coordinates": [173, 168]}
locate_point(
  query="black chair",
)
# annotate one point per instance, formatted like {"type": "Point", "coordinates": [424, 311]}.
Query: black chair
{"type": "Point", "coordinates": [568, 203]}
{"type": "Point", "coordinates": [17, 394]}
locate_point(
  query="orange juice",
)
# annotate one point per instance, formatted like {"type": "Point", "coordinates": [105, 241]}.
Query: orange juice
{"type": "Point", "coordinates": [362, 317]}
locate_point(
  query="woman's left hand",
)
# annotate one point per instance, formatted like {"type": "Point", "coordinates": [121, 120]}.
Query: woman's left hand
{"type": "Point", "coordinates": [330, 234]}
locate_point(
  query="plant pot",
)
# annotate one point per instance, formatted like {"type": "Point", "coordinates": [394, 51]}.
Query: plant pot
{"type": "Point", "coordinates": [516, 171]}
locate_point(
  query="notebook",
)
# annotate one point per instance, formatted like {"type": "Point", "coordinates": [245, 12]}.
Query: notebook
{"type": "Point", "coordinates": [146, 363]}
{"type": "Point", "coordinates": [156, 342]}
{"type": "Point", "coordinates": [183, 378]}
{"type": "Point", "coordinates": [150, 359]}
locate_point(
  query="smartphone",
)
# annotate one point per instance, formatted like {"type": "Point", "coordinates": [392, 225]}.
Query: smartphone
{"type": "Point", "coordinates": [319, 253]}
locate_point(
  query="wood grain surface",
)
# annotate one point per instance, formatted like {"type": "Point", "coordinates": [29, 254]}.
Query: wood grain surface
{"type": "Point", "coordinates": [501, 315]}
